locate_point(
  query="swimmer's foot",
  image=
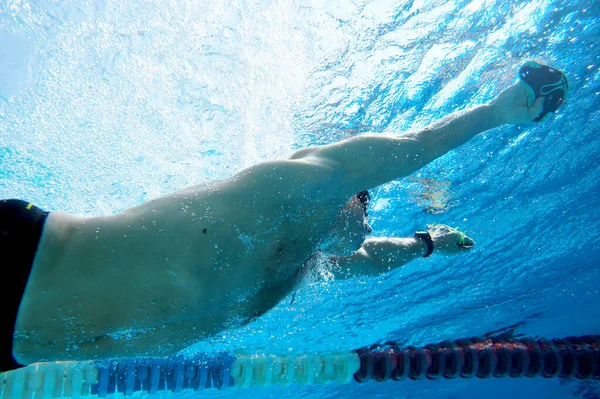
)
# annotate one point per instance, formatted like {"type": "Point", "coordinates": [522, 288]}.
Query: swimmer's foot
{"type": "Point", "coordinates": [539, 91]}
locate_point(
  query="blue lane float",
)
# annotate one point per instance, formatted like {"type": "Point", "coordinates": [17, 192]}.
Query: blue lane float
{"type": "Point", "coordinates": [573, 357]}
{"type": "Point", "coordinates": [169, 374]}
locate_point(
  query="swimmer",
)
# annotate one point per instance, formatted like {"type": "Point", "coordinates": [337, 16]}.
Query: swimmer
{"type": "Point", "coordinates": [156, 278]}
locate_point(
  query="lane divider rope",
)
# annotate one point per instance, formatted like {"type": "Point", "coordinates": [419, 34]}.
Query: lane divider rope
{"type": "Point", "coordinates": [572, 357]}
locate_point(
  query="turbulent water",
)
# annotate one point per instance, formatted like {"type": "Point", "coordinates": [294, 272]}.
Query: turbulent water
{"type": "Point", "coordinates": [104, 105]}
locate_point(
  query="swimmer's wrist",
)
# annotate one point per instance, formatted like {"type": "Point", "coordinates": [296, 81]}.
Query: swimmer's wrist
{"type": "Point", "coordinates": [424, 243]}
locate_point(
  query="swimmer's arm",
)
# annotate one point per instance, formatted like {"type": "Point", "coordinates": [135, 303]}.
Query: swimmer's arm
{"type": "Point", "coordinates": [377, 256]}
{"type": "Point", "coordinates": [369, 160]}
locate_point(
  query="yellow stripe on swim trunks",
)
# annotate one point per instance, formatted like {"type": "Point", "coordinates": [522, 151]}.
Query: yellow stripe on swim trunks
{"type": "Point", "coordinates": [29, 206]}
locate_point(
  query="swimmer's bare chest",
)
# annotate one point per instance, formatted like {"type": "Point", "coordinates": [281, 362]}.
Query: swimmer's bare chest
{"type": "Point", "coordinates": [234, 260]}
{"type": "Point", "coordinates": [254, 258]}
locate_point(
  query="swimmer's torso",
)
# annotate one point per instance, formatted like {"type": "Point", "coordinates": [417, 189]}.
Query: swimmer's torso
{"type": "Point", "coordinates": [160, 276]}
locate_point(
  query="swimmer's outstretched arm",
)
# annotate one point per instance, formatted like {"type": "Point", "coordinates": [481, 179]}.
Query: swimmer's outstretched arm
{"type": "Point", "coordinates": [379, 255]}
{"type": "Point", "coordinates": [369, 160]}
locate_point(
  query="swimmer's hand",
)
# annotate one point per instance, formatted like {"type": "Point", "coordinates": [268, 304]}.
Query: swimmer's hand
{"type": "Point", "coordinates": [448, 240]}
{"type": "Point", "coordinates": [511, 106]}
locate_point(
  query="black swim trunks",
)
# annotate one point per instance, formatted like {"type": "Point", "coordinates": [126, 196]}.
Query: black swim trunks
{"type": "Point", "coordinates": [21, 225]}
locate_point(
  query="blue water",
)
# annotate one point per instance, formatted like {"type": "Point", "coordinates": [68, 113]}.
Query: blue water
{"type": "Point", "coordinates": [104, 105]}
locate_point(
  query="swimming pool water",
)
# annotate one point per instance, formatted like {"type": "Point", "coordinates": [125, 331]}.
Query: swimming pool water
{"type": "Point", "coordinates": [104, 105]}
